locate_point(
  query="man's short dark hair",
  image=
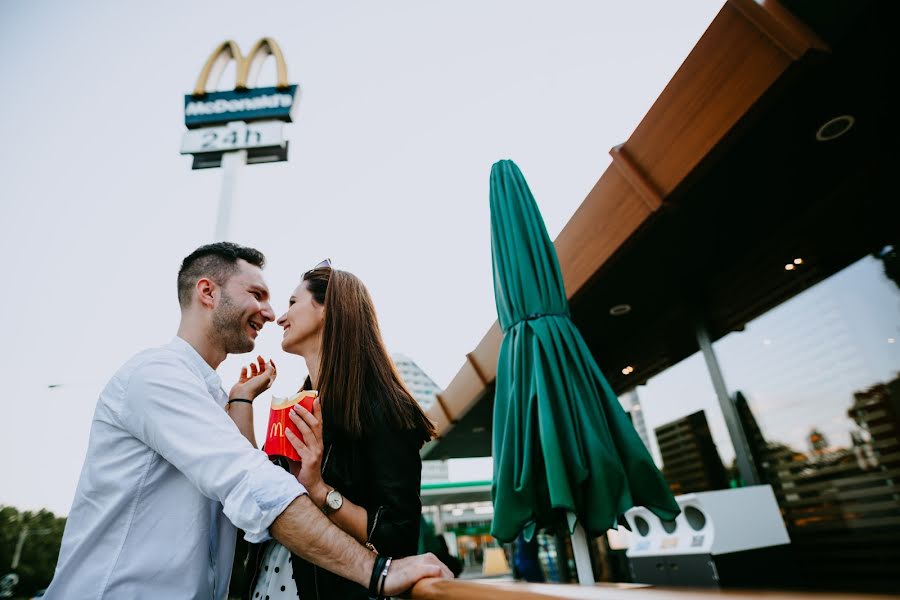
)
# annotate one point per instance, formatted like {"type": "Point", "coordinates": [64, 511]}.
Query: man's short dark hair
{"type": "Point", "coordinates": [216, 261]}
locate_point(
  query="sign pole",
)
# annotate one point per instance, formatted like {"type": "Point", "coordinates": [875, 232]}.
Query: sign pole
{"type": "Point", "coordinates": [231, 166]}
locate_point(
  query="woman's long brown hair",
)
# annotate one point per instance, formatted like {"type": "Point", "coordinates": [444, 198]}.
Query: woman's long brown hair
{"type": "Point", "coordinates": [355, 369]}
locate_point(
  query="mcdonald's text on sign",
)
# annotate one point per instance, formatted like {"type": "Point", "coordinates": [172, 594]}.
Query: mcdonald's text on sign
{"type": "Point", "coordinates": [216, 108]}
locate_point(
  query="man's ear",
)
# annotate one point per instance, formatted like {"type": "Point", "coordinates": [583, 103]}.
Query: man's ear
{"type": "Point", "coordinates": [207, 292]}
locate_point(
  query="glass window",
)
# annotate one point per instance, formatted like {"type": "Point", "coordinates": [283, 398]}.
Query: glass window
{"type": "Point", "coordinates": [680, 417]}
{"type": "Point", "coordinates": [817, 386]}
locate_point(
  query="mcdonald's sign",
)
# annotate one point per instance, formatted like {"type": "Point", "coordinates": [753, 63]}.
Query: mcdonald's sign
{"type": "Point", "coordinates": [244, 103]}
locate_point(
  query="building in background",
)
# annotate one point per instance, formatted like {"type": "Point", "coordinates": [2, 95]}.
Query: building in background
{"type": "Point", "coordinates": [691, 462]}
{"type": "Point", "coordinates": [423, 388]}
{"type": "Point", "coordinates": [631, 402]}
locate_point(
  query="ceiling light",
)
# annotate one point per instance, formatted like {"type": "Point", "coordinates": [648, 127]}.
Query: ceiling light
{"type": "Point", "coordinates": [628, 370]}
{"type": "Point", "coordinates": [484, 510]}
{"type": "Point", "coordinates": [835, 128]}
{"type": "Point", "coordinates": [767, 342]}
{"type": "Point", "coordinates": [891, 341]}
{"type": "Point", "coordinates": [456, 512]}
{"type": "Point", "coordinates": [798, 261]}
{"type": "Point", "coordinates": [620, 309]}
{"type": "Point", "coordinates": [789, 267]}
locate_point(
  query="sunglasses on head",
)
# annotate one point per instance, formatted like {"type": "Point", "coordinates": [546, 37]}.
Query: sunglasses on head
{"type": "Point", "coordinates": [325, 264]}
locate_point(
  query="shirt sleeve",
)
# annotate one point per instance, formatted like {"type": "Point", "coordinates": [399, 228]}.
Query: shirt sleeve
{"type": "Point", "coordinates": [168, 407]}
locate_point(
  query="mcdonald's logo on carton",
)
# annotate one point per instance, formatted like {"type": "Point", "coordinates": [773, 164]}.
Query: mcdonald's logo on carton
{"type": "Point", "coordinates": [245, 103]}
{"type": "Point", "coordinates": [279, 420]}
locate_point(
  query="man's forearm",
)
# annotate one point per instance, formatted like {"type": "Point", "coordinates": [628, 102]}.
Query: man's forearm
{"type": "Point", "coordinates": [242, 415]}
{"type": "Point", "coordinates": [306, 532]}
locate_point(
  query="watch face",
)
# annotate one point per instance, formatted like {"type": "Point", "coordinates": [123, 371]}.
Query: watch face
{"type": "Point", "coordinates": [334, 500]}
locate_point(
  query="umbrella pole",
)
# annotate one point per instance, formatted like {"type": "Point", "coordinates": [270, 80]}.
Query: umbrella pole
{"type": "Point", "coordinates": [582, 556]}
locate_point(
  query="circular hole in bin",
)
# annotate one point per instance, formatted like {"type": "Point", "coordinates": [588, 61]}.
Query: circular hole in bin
{"type": "Point", "coordinates": [669, 526]}
{"type": "Point", "coordinates": [642, 526]}
{"type": "Point", "coordinates": [695, 518]}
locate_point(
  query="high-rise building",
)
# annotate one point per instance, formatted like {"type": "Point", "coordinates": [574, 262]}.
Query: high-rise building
{"type": "Point", "coordinates": [691, 462]}
{"type": "Point", "coordinates": [877, 412]}
{"type": "Point", "coordinates": [423, 388]}
{"type": "Point", "coordinates": [632, 405]}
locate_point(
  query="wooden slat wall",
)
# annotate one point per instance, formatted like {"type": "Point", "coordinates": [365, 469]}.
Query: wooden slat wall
{"type": "Point", "coordinates": [842, 506]}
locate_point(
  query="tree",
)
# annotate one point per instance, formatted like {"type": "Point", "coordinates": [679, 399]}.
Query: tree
{"type": "Point", "coordinates": [40, 534]}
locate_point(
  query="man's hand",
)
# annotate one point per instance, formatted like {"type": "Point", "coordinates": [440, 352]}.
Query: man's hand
{"type": "Point", "coordinates": [304, 530]}
{"type": "Point", "coordinates": [254, 382]}
{"type": "Point", "coordinates": [405, 572]}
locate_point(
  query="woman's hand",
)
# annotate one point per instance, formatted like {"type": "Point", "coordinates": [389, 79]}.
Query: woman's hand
{"type": "Point", "coordinates": [310, 449]}
{"type": "Point", "coordinates": [254, 382]}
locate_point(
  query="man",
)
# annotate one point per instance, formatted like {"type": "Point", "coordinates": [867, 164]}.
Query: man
{"type": "Point", "coordinates": [168, 477]}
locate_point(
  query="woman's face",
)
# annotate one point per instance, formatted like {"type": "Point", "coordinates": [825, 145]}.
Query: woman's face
{"type": "Point", "coordinates": [302, 322]}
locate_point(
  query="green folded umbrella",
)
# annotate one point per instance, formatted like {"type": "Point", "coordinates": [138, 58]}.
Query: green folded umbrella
{"type": "Point", "coordinates": [563, 446]}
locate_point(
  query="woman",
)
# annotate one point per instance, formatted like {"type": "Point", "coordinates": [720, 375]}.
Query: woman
{"type": "Point", "coordinates": [360, 454]}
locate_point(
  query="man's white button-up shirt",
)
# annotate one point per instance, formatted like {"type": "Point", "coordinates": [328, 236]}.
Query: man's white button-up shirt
{"type": "Point", "coordinates": [166, 479]}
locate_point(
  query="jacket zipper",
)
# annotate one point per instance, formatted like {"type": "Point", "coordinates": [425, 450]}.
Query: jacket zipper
{"type": "Point", "coordinates": [369, 544]}
{"type": "Point", "coordinates": [257, 560]}
{"type": "Point", "coordinates": [315, 568]}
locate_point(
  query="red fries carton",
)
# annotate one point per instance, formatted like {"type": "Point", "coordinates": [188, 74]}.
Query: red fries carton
{"type": "Point", "coordinates": [279, 420]}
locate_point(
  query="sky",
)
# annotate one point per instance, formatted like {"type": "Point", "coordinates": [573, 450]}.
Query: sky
{"type": "Point", "coordinates": [404, 107]}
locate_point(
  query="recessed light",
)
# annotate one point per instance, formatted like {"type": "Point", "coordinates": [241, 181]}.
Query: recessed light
{"type": "Point", "coordinates": [835, 128]}
{"type": "Point", "coordinates": [789, 267]}
{"type": "Point", "coordinates": [628, 370]}
{"type": "Point", "coordinates": [620, 309]}
{"type": "Point", "coordinates": [798, 261]}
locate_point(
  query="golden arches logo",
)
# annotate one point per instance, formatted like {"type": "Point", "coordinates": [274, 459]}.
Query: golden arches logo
{"type": "Point", "coordinates": [247, 68]}
{"type": "Point", "coordinates": [277, 430]}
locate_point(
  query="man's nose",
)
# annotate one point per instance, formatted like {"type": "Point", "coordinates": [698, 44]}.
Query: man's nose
{"type": "Point", "coordinates": [267, 312]}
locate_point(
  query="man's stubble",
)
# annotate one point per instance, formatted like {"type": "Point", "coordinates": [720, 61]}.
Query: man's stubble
{"type": "Point", "coordinates": [228, 327]}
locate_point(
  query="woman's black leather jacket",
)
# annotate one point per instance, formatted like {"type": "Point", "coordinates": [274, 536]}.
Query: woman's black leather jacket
{"type": "Point", "coordinates": [381, 472]}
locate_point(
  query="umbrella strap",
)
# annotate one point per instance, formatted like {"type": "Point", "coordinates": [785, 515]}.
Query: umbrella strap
{"type": "Point", "coordinates": [534, 316]}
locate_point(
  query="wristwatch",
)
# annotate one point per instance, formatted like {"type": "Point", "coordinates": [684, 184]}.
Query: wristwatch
{"type": "Point", "coordinates": [333, 502]}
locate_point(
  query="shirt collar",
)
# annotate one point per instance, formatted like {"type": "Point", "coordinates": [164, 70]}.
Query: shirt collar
{"type": "Point", "coordinates": [212, 379]}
